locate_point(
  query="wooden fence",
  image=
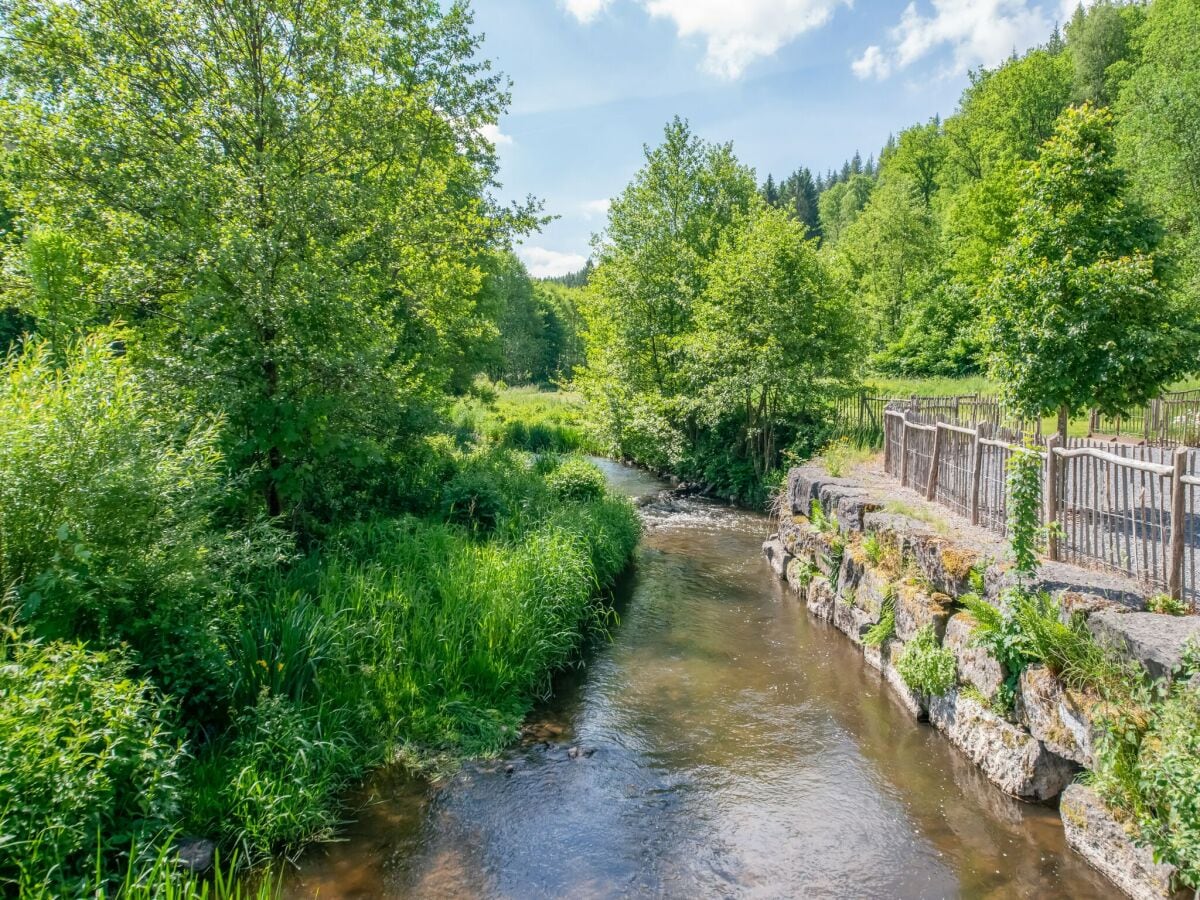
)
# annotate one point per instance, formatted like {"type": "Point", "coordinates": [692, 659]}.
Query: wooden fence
{"type": "Point", "coordinates": [1125, 508]}
{"type": "Point", "coordinates": [1171, 420]}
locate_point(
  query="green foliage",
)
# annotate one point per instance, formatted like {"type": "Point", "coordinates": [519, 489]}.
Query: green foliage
{"type": "Point", "coordinates": [89, 768]}
{"type": "Point", "coordinates": [881, 632]}
{"type": "Point", "coordinates": [925, 665]}
{"type": "Point", "coordinates": [576, 479]}
{"type": "Point", "coordinates": [296, 226]}
{"type": "Point", "coordinates": [1168, 782]}
{"type": "Point", "coordinates": [1166, 605]}
{"type": "Point", "coordinates": [1099, 44]}
{"type": "Point", "coordinates": [1025, 511]}
{"type": "Point", "coordinates": [714, 328]}
{"type": "Point", "coordinates": [1159, 126]}
{"type": "Point", "coordinates": [103, 515]}
{"type": "Point", "coordinates": [473, 498]}
{"type": "Point", "coordinates": [1076, 313]}
{"type": "Point", "coordinates": [841, 457]}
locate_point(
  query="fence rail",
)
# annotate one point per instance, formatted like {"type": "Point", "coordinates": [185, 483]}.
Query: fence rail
{"type": "Point", "coordinates": [1172, 420]}
{"type": "Point", "coordinates": [1125, 508]}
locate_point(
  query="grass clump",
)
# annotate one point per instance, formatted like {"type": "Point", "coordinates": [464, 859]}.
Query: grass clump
{"type": "Point", "coordinates": [840, 457]}
{"type": "Point", "coordinates": [925, 665]}
{"type": "Point", "coordinates": [920, 514]}
{"type": "Point", "coordinates": [576, 479]}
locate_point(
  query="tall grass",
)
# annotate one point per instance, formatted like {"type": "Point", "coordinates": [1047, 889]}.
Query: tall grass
{"type": "Point", "coordinates": [410, 633]}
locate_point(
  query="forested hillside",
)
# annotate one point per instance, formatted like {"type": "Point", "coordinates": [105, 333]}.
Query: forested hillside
{"type": "Point", "coordinates": [1046, 234]}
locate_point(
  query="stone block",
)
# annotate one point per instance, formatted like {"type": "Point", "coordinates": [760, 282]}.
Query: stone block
{"type": "Point", "coordinates": [851, 619]}
{"type": "Point", "coordinates": [1098, 836]}
{"type": "Point", "coordinates": [1013, 760]}
{"type": "Point", "coordinates": [1059, 717]}
{"type": "Point", "coordinates": [852, 509]}
{"type": "Point", "coordinates": [1156, 641]}
{"type": "Point", "coordinates": [777, 555]}
{"type": "Point", "coordinates": [976, 665]}
{"type": "Point", "coordinates": [821, 598]}
{"type": "Point", "coordinates": [915, 609]}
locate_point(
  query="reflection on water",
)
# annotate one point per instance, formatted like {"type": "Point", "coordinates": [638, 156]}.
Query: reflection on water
{"type": "Point", "coordinates": [722, 745]}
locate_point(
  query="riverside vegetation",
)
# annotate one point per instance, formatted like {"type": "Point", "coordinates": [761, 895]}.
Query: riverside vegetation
{"type": "Point", "coordinates": [248, 549]}
{"type": "Point", "coordinates": [1147, 761]}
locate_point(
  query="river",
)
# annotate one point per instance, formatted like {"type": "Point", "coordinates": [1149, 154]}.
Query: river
{"type": "Point", "coordinates": [722, 744]}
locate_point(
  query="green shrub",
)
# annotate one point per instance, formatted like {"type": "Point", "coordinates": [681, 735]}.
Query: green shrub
{"type": "Point", "coordinates": [1166, 605]}
{"type": "Point", "coordinates": [577, 479]}
{"type": "Point", "coordinates": [474, 499]}
{"type": "Point", "coordinates": [103, 512]}
{"type": "Point", "coordinates": [89, 766]}
{"type": "Point", "coordinates": [925, 665]}
{"type": "Point", "coordinates": [1168, 782]}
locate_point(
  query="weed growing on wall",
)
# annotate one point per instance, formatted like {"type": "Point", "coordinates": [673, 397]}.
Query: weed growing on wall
{"type": "Point", "coordinates": [925, 665]}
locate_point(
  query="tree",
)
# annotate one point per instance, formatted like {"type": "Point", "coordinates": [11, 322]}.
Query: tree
{"type": "Point", "coordinates": [662, 231]}
{"type": "Point", "coordinates": [1007, 113]}
{"type": "Point", "coordinates": [919, 156]}
{"type": "Point", "coordinates": [772, 330]}
{"type": "Point", "coordinates": [288, 198]}
{"type": "Point", "coordinates": [888, 253]}
{"type": "Point", "coordinates": [1076, 315]}
{"type": "Point", "coordinates": [800, 196]}
{"type": "Point", "coordinates": [1159, 125]}
{"type": "Point", "coordinates": [1098, 39]}
{"type": "Point", "coordinates": [841, 204]}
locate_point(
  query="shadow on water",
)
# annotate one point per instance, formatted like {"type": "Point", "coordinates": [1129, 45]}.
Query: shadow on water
{"type": "Point", "coordinates": [722, 744]}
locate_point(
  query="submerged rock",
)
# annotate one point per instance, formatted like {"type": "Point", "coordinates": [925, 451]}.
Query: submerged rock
{"type": "Point", "coordinates": [777, 555]}
{"type": "Point", "coordinates": [196, 855]}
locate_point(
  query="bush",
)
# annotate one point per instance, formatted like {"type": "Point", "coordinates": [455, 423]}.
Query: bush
{"type": "Point", "coordinates": [103, 512]}
{"type": "Point", "coordinates": [925, 665]}
{"type": "Point", "coordinates": [575, 480]}
{"type": "Point", "coordinates": [88, 765]}
{"type": "Point", "coordinates": [1169, 782]}
{"type": "Point", "coordinates": [473, 499]}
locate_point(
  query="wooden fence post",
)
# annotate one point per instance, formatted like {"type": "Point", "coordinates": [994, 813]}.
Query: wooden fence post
{"type": "Point", "coordinates": [1178, 521]}
{"type": "Point", "coordinates": [887, 442]}
{"type": "Point", "coordinates": [904, 451]}
{"type": "Point", "coordinates": [1051, 496]}
{"type": "Point", "coordinates": [981, 431]}
{"type": "Point", "coordinates": [931, 488]}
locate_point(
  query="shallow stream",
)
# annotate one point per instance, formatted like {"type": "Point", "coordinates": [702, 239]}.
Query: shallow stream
{"type": "Point", "coordinates": [723, 744]}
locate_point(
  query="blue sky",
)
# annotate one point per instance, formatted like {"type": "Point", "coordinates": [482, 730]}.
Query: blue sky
{"type": "Point", "coordinates": [790, 82]}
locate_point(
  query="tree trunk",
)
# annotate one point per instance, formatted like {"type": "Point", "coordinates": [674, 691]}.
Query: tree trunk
{"type": "Point", "coordinates": [1064, 419]}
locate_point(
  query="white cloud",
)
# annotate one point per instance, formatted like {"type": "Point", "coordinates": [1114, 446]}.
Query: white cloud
{"type": "Point", "coordinates": [585, 11]}
{"type": "Point", "coordinates": [595, 209]}
{"type": "Point", "coordinates": [495, 135]}
{"type": "Point", "coordinates": [977, 32]}
{"type": "Point", "coordinates": [543, 263]}
{"type": "Point", "coordinates": [738, 32]}
{"type": "Point", "coordinates": [872, 64]}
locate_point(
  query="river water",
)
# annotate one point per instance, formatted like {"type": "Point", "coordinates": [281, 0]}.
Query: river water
{"type": "Point", "coordinates": [723, 744]}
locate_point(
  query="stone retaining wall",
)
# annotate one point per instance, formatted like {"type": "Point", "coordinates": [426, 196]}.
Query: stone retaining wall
{"type": "Point", "coordinates": [1037, 751]}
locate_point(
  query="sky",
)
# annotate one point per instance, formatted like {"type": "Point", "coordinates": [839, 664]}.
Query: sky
{"type": "Point", "coordinates": [790, 82]}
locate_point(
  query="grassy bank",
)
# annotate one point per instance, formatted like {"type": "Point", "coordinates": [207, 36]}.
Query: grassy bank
{"type": "Point", "coordinates": [166, 674]}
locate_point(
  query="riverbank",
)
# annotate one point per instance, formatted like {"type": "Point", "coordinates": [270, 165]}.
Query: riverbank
{"type": "Point", "coordinates": [422, 637]}
{"type": "Point", "coordinates": [1070, 676]}
{"type": "Point", "coordinates": [720, 743]}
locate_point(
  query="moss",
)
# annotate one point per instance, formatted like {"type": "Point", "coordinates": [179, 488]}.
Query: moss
{"type": "Point", "coordinates": [958, 562]}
